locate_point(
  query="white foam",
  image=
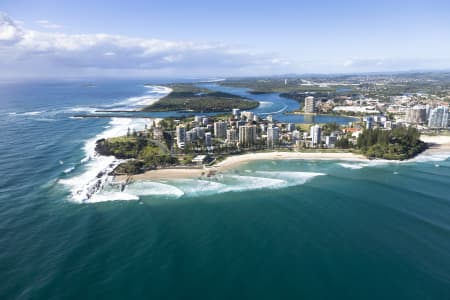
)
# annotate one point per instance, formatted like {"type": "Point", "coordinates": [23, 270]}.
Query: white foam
{"type": "Point", "coordinates": [150, 188]}
{"type": "Point", "coordinates": [199, 187]}
{"type": "Point", "coordinates": [95, 177]}
{"type": "Point", "coordinates": [353, 166]}
{"type": "Point", "coordinates": [69, 170]}
{"type": "Point", "coordinates": [431, 157]}
{"type": "Point", "coordinates": [88, 187]}
{"type": "Point", "coordinates": [111, 196]}
{"type": "Point", "coordinates": [157, 92]}
{"type": "Point", "coordinates": [291, 177]}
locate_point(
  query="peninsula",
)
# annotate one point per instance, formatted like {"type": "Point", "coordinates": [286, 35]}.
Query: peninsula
{"type": "Point", "coordinates": [188, 97]}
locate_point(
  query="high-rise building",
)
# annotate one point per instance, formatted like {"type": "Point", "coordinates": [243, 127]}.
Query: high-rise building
{"type": "Point", "coordinates": [231, 135]}
{"type": "Point", "coordinates": [198, 119]}
{"type": "Point", "coordinates": [290, 127]}
{"type": "Point", "coordinates": [438, 117]}
{"type": "Point", "coordinates": [191, 135]}
{"type": "Point", "coordinates": [247, 115]}
{"type": "Point", "coordinates": [310, 105]}
{"type": "Point", "coordinates": [220, 129]}
{"type": "Point", "coordinates": [416, 114]}
{"type": "Point", "coordinates": [315, 133]}
{"type": "Point", "coordinates": [273, 136]}
{"type": "Point", "coordinates": [295, 135]}
{"type": "Point", "coordinates": [369, 122]}
{"type": "Point", "coordinates": [208, 140]}
{"type": "Point", "coordinates": [330, 141]}
{"type": "Point", "coordinates": [247, 135]}
{"type": "Point", "coordinates": [236, 112]}
{"type": "Point", "coordinates": [200, 132]}
{"type": "Point", "coordinates": [181, 136]}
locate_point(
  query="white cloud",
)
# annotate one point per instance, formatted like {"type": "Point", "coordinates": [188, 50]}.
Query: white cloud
{"type": "Point", "coordinates": [25, 52]}
{"type": "Point", "coordinates": [9, 30]}
{"type": "Point", "coordinates": [48, 25]}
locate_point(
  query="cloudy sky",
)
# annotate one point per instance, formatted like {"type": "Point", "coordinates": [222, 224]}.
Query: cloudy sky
{"type": "Point", "coordinates": [49, 38]}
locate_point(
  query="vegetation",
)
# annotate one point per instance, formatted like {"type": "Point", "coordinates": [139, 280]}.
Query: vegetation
{"type": "Point", "coordinates": [399, 143]}
{"type": "Point", "coordinates": [147, 154]}
{"type": "Point", "coordinates": [187, 97]}
{"type": "Point", "coordinates": [130, 167]}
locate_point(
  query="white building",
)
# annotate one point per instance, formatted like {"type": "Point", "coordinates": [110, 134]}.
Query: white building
{"type": "Point", "coordinates": [315, 133]}
{"type": "Point", "coordinates": [416, 114]}
{"type": "Point", "coordinates": [247, 115]}
{"type": "Point", "coordinates": [273, 136]}
{"type": "Point", "coordinates": [290, 127]}
{"type": "Point", "coordinates": [208, 140]}
{"type": "Point", "coordinates": [310, 106]}
{"type": "Point", "coordinates": [231, 136]}
{"type": "Point", "coordinates": [200, 132]}
{"type": "Point", "coordinates": [247, 135]}
{"type": "Point", "coordinates": [438, 117]}
{"type": "Point", "coordinates": [220, 129]}
{"type": "Point", "coordinates": [330, 141]}
{"type": "Point", "coordinates": [198, 119]}
{"type": "Point", "coordinates": [181, 136]}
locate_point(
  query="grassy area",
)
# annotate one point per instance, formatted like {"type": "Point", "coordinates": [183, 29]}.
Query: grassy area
{"type": "Point", "coordinates": [187, 97]}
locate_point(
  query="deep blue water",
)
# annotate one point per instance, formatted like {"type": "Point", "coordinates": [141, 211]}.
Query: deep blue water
{"type": "Point", "coordinates": [266, 230]}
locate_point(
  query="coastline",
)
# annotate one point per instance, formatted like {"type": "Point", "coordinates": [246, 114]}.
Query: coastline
{"type": "Point", "coordinates": [437, 144]}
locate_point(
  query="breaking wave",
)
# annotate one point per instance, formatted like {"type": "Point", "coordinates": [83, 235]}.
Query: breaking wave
{"type": "Point", "coordinates": [222, 183]}
{"type": "Point", "coordinates": [90, 185]}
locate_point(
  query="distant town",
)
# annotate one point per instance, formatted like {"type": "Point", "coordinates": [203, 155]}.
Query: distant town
{"type": "Point", "coordinates": [383, 125]}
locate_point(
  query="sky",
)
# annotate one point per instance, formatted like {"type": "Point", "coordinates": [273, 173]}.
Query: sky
{"type": "Point", "coordinates": [49, 38]}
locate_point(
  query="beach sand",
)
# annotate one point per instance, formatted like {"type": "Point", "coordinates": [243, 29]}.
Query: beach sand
{"type": "Point", "coordinates": [178, 173]}
{"type": "Point", "coordinates": [437, 143]}
{"type": "Point", "coordinates": [233, 161]}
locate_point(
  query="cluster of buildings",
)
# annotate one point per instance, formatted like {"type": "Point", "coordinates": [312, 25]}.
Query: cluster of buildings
{"type": "Point", "coordinates": [409, 110]}
{"type": "Point", "coordinates": [425, 115]}
{"type": "Point", "coordinates": [246, 130]}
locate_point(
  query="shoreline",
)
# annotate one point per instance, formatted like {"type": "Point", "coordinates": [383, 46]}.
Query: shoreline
{"type": "Point", "coordinates": [437, 144]}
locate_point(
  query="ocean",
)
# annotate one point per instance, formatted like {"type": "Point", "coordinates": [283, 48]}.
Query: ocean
{"type": "Point", "coordinates": [264, 230]}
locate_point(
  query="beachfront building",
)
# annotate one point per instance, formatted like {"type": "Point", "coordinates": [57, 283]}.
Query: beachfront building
{"type": "Point", "coordinates": [416, 114]}
{"type": "Point", "coordinates": [438, 117]}
{"type": "Point", "coordinates": [273, 136]}
{"type": "Point", "coordinates": [247, 135]}
{"type": "Point", "coordinates": [236, 112]}
{"type": "Point", "coordinates": [330, 141]}
{"type": "Point", "coordinates": [220, 129]}
{"type": "Point", "coordinates": [231, 136]}
{"type": "Point", "coordinates": [310, 106]}
{"type": "Point", "coordinates": [181, 136]}
{"type": "Point", "coordinates": [315, 133]}
{"type": "Point", "coordinates": [208, 140]}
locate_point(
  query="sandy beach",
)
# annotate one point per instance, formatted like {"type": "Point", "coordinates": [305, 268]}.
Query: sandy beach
{"type": "Point", "coordinates": [437, 143]}
{"type": "Point", "coordinates": [233, 161]}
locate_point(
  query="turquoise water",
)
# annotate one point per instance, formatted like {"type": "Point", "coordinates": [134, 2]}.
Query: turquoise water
{"type": "Point", "coordinates": [265, 230]}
